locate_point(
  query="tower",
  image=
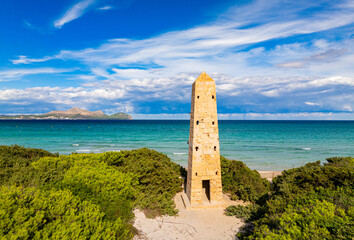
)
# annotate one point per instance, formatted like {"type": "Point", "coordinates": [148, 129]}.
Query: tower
{"type": "Point", "coordinates": [204, 170]}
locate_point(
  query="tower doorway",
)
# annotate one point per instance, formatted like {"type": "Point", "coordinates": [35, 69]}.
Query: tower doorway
{"type": "Point", "coordinates": [206, 190]}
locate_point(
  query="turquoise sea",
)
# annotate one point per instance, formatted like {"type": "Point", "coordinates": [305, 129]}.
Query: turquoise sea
{"type": "Point", "coordinates": [262, 145]}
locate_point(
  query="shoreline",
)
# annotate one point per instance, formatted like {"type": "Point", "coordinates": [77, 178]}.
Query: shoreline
{"type": "Point", "coordinates": [269, 175]}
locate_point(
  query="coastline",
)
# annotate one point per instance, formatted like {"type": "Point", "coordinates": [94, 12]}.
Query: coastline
{"type": "Point", "coordinates": [269, 175]}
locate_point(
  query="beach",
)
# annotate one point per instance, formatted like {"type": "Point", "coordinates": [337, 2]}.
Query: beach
{"type": "Point", "coordinates": [194, 224]}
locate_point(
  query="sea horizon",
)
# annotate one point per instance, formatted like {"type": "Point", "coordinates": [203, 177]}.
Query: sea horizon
{"type": "Point", "coordinates": [260, 144]}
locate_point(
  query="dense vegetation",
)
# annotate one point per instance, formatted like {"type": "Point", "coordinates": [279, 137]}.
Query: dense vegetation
{"type": "Point", "coordinates": [241, 182]}
{"type": "Point", "coordinates": [13, 159]}
{"type": "Point", "coordinates": [45, 195]}
{"type": "Point", "coordinates": [158, 178]}
{"type": "Point", "coordinates": [27, 213]}
{"type": "Point", "coordinates": [86, 195]}
{"type": "Point", "coordinates": [311, 202]}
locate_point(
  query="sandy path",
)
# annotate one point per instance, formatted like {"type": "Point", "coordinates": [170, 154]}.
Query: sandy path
{"type": "Point", "coordinates": [189, 224]}
{"type": "Point", "coordinates": [201, 224]}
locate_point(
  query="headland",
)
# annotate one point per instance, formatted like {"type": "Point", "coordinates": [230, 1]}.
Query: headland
{"type": "Point", "coordinates": [71, 114]}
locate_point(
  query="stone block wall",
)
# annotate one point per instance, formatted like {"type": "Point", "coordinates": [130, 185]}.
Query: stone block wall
{"type": "Point", "coordinates": [204, 150]}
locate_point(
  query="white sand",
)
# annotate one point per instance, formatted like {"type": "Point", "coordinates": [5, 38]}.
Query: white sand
{"type": "Point", "coordinates": [202, 224]}
{"type": "Point", "coordinates": [269, 175]}
{"type": "Point", "coordinates": [189, 224]}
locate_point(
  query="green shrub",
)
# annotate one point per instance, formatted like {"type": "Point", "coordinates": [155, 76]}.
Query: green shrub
{"type": "Point", "coordinates": [88, 178]}
{"type": "Point", "coordinates": [27, 213]}
{"type": "Point", "coordinates": [82, 195]}
{"type": "Point", "coordinates": [159, 179]}
{"type": "Point", "coordinates": [102, 185]}
{"type": "Point", "coordinates": [241, 182]}
{"type": "Point", "coordinates": [310, 219]}
{"type": "Point", "coordinates": [337, 172]}
{"type": "Point", "coordinates": [15, 158]}
{"type": "Point", "coordinates": [310, 202]}
{"type": "Point", "coordinates": [155, 179]}
{"type": "Point", "coordinates": [244, 212]}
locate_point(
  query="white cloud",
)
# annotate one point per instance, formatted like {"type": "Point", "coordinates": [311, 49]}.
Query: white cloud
{"type": "Point", "coordinates": [73, 12]}
{"type": "Point", "coordinates": [13, 74]}
{"type": "Point", "coordinates": [214, 47]}
{"type": "Point", "coordinates": [105, 8]}
{"type": "Point", "coordinates": [291, 65]}
{"type": "Point", "coordinates": [62, 96]}
{"type": "Point", "coordinates": [26, 60]}
{"type": "Point", "coordinates": [312, 103]}
{"type": "Point", "coordinates": [246, 94]}
{"type": "Point", "coordinates": [329, 56]}
{"type": "Point", "coordinates": [348, 107]}
{"type": "Point", "coordinates": [315, 74]}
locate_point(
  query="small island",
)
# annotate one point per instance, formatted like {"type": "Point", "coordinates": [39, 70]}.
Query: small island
{"type": "Point", "coordinates": [71, 114]}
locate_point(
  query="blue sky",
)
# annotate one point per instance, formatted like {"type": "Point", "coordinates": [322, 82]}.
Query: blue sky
{"type": "Point", "coordinates": [270, 59]}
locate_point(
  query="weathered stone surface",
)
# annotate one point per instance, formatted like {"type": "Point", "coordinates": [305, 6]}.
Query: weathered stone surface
{"type": "Point", "coordinates": [204, 150]}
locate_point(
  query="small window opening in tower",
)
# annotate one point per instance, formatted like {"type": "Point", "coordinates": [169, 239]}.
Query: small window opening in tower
{"type": "Point", "coordinates": [198, 97]}
{"type": "Point", "coordinates": [213, 122]}
{"type": "Point", "coordinates": [214, 148]}
{"type": "Point", "coordinates": [197, 122]}
{"type": "Point", "coordinates": [196, 174]}
{"type": "Point", "coordinates": [212, 97]}
{"type": "Point", "coordinates": [216, 173]}
{"type": "Point", "coordinates": [196, 148]}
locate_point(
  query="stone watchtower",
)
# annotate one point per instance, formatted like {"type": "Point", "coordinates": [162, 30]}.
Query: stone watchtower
{"type": "Point", "coordinates": [204, 171]}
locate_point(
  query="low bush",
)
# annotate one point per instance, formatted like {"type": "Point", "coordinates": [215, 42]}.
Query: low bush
{"type": "Point", "coordinates": [159, 179]}
{"type": "Point", "coordinates": [310, 202]}
{"type": "Point", "coordinates": [88, 178]}
{"type": "Point", "coordinates": [144, 177]}
{"type": "Point", "coordinates": [14, 158]}
{"type": "Point", "coordinates": [95, 181]}
{"type": "Point", "coordinates": [109, 185]}
{"type": "Point", "coordinates": [307, 218]}
{"type": "Point", "coordinates": [241, 182]}
{"type": "Point", "coordinates": [28, 213]}
{"type": "Point", "coordinates": [244, 212]}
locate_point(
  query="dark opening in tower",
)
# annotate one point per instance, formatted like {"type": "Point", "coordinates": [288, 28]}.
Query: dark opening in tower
{"type": "Point", "coordinates": [206, 190]}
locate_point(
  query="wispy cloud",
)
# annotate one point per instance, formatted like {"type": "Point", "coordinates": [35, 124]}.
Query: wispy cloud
{"type": "Point", "coordinates": [28, 25]}
{"type": "Point", "coordinates": [105, 8]}
{"type": "Point", "coordinates": [219, 46]}
{"type": "Point", "coordinates": [312, 103]}
{"type": "Point", "coordinates": [316, 71]}
{"type": "Point", "coordinates": [74, 12]}
{"type": "Point", "coordinates": [31, 26]}
{"type": "Point", "coordinates": [15, 74]}
{"type": "Point", "coordinates": [330, 55]}
{"type": "Point", "coordinates": [26, 60]}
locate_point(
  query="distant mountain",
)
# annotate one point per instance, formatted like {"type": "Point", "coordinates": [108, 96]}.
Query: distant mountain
{"type": "Point", "coordinates": [74, 113]}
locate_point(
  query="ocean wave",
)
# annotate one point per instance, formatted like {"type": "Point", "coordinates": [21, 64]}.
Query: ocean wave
{"type": "Point", "coordinates": [306, 149]}
{"type": "Point", "coordinates": [83, 150]}
{"type": "Point", "coordinates": [76, 144]}
{"type": "Point", "coordinates": [179, 153]}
